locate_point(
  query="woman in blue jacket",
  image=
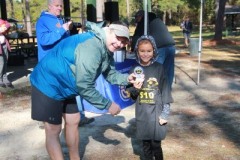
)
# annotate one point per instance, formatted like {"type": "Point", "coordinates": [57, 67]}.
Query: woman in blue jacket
{"type": "Point", "coordinates": [70, 70]}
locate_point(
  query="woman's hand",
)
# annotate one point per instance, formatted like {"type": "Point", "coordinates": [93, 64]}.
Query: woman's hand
{"type": "Point", "coordinates": [114, 109]}
{"type": "Point", "coordinates": [136, 81]}
{"type": "Point", "coordinates": [138, 84]}
{"type": "Point", "coordinates": [132, 78]}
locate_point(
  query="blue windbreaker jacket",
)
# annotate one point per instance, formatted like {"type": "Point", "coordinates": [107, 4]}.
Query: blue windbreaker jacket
{"type": "Point", "coordinates": [73, 66]}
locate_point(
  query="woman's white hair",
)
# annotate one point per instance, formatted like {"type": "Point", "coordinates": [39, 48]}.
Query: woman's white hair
{"type": "Point", "coordinates": [51, 1]}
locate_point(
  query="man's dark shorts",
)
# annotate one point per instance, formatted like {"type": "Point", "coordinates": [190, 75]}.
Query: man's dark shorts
{"type": "Point", "coordinates": [50, 110]}
{"type": "Point", "coordinates": [187, 35]}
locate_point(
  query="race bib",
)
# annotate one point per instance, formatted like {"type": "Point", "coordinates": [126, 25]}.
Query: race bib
{"type": "Point", "coordinates": [148, 92]}
{"type": "Point", "coordinates": [146, 96]}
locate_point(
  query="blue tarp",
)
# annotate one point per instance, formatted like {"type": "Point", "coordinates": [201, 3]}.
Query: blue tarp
{"type": "Point", "coordinates": [113, 92]}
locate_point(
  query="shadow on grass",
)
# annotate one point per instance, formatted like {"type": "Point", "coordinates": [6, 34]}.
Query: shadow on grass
{"type": "Point", "coordinates": [225, 48]}
{"type": "Point", "coordinates": [227, 68]}
{"type": "Point", "coordinates": [104, 134]}
{"type": "Point", "coordinates": [221, 112]}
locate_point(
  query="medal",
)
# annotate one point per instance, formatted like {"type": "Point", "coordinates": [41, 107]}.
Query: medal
{"type": "Point", "coordinates": [138, 72]}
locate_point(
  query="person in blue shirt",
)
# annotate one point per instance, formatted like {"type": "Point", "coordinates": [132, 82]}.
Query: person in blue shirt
{"type": "Point", "coordinates": [51, 28]}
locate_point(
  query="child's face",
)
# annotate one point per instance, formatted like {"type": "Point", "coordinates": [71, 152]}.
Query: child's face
{"type": "Point", "coordinates": [145, 52]}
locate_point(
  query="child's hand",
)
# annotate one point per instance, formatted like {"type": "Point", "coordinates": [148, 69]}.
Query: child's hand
{"type": "Point", "coordinates": [140, 79]}
{"type": "Point", "coordinates": [138, 84]}
{"type": "Point", "coordinates": [162, 121]}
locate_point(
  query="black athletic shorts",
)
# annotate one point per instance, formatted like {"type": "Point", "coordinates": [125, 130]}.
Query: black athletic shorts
{"type": "Point", "coordinates": [50, 110]}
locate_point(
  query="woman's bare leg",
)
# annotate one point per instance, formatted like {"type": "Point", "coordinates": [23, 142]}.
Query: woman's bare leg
{"type": "Point", "coordinates": [72, 134]}
{"type": "Point", "coordinates": [52, 141]}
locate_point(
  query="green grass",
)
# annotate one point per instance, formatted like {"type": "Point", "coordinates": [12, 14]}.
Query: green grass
{"type": "Point", "coordinates": [207, 32]}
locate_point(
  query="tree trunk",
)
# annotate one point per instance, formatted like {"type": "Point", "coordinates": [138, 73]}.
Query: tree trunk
{"type": "Point", "coordinates": [220, 9]}
{"type": "Point", "coordinates": [28, 19]}
{"type": "Point", "coordinates": [170, 17]}
{"type": "Point", "coordinates": [23, 13]}
{"type": "Point", "coordinates": [12, 9]}
{"type": "Point", "coordinates": [164, 17]}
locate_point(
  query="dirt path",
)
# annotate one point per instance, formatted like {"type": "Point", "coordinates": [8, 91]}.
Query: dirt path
{"type": "Point", "coordinates": [204, 122]}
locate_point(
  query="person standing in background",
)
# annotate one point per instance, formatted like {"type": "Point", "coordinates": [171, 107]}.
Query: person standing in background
{"type": "Point", "coordinates": [4, 48]}
{"type": "Point", "coordinates": [51, 28]}
{"type": "Point", "coordinates": [186, 27]}
{"type": "Point", "coordinates": [163, 38]}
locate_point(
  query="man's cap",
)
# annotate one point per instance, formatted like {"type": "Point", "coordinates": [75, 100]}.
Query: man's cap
{"type": "Point", "coordinates": [120, 30]}
{"type": "Point", "coordinates": [139, 13]}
